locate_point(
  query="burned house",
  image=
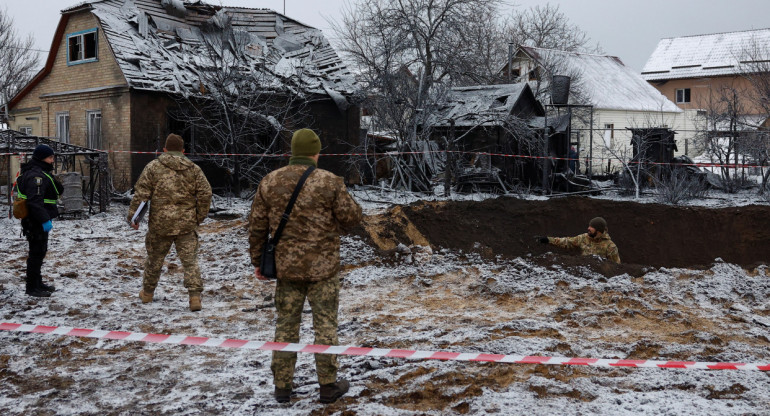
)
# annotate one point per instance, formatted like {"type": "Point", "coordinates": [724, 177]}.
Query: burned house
{"type": "Point", "coordinates": [653, 145]}
{"type": "Point", "coordinates": [120, 70]}
{"type": "Point", "coordinates": [483, 122]}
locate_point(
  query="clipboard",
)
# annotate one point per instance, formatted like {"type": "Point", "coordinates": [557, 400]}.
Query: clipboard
{"type": "Point", "coordinates": [144, 206]}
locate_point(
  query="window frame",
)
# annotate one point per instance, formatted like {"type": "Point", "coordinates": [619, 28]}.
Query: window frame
{"type": "Point", "coordinates": [27, 130]}
{"type": "Point", "coordinates": [611, 128]}
{"type": "Point", "coordinates": [686, 96]}
{"type": "Point", "coordinates": [82, 35]}
{"type": "Point", "coordinates": [66, 116]}
{"type": "Point", "coordinates": [92, 136]}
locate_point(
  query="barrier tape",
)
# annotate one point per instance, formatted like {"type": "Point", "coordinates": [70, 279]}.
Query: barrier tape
{"type": "Point", "coordinates": [462, 152]}
{"type": "Point", "coordinates": [373, 352]}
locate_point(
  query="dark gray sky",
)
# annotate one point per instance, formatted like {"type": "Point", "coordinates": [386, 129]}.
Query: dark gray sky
{"type": "Point", "coordinates": [628, 29]}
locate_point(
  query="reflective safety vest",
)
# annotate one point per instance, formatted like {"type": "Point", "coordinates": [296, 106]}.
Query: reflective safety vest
{"type": "Point", "coordinates": [45, 201]}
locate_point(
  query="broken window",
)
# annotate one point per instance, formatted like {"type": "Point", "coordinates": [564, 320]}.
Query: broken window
{"type": "Point", "coordinates": [63, 126]}
{"type": "Point", "coordinates": [683, 95]}
{"type": "Point", "coordinates": [81, 47]}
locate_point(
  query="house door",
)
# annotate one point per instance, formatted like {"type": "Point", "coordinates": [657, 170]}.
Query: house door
{"type": "Point", "coordinates": [94, 129]}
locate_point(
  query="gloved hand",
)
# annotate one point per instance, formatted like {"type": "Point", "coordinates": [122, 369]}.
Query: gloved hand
{"type": "Point", "coordinates": [541, 239]}
{"type": "Point", "coordinates": [47, 226]}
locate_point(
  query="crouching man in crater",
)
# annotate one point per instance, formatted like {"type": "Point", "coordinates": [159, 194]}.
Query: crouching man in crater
{"type": "Point", "coordinates": [595, 242]}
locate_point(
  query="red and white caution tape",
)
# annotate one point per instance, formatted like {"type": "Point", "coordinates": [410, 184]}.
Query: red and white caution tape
{"type": "Point", "coordinates": [372, 352]}
{"type": "Point", "coordinates": [599, 160]}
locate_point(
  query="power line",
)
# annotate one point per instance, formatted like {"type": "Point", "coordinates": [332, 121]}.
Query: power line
{"type": "Point", "coordinates": [26, 49]}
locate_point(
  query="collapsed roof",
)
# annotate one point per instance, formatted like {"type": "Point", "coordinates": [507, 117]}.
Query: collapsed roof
{"type": "Point", "coordinates": [482, 105]}
{"type": "Point", "coordinates": [715, 54]}
{"type": "Point", "coordinates": [164, 45]}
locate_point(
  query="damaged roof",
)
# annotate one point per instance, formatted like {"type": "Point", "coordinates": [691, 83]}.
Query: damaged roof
{"type": "Point", "coordinates": [482, 105]}
{"type": "Point", "coordinates": [161, 45]}
{"type": "Point", "coordinates": [605, 82]}
{"type": "Point", "coordinates": [715, 54]}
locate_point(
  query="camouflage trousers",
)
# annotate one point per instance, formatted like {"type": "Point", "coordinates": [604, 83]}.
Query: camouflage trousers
{"type": "Point", "coordinates": [158, 247]}
{"type": "Point", "coordinates": [290, 297]}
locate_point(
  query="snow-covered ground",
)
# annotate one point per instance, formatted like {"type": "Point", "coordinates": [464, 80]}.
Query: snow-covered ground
{"type": "Point", "coordinates": [449, 300]}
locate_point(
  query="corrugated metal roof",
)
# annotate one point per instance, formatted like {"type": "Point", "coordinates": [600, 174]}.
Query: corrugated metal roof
{"type": "Point", "coordinates": [604, 81]}
{"type": "Point", "coordinates": [482, 105]}
{"type": "Point", "coordinates": [715, 54]}
{"type": "Point", "coordinates": [160, 49]}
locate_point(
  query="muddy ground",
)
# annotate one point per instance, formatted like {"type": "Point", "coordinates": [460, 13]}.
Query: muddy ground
{"type": "Point", "coordinates": [484, 286]}
{"type": "Point", "coordinates": [646, 234]}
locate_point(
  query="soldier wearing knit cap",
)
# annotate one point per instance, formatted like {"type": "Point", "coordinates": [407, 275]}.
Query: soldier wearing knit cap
{"type": "Point", "coordinates": [307, 258]}
{"type": "Point", "coordinates": [596, 242]}
{"type": "Point", "coordinates": [179, 197]}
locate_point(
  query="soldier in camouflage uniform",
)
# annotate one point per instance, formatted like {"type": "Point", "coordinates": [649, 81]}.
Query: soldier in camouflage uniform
{"type": "Point", "coordinates": [180, 197]}
{"type": "Point", "coordinates": [307, 258]}
{"type": "Point", "coordinates": [595, 242]}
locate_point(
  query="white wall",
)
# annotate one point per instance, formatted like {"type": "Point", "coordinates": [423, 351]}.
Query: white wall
{"type": "Point", "coordinates": [619, 138]}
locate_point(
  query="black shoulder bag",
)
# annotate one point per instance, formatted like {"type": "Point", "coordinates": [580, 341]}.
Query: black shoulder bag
{"type": "Point", "coordinates": [267, 261]}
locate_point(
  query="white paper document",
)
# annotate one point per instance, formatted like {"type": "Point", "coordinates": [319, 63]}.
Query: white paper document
{"type": "Point", "coordinates": [139, 214]}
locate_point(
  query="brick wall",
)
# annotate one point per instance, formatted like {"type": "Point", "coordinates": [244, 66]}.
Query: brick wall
{"type": "Point", "coordinates": [62, 91]}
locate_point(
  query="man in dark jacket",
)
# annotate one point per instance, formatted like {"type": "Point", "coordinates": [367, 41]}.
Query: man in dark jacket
{"type": "Point", "coordinates": [40, 190]}
{"type": "Point", "coordinates": [307, 258]}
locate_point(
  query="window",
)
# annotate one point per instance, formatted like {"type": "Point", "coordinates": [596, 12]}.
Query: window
{"type": "Point", "coordinates": [611, 129]}
{"type": "Point", "coordinates": [516, 72]}
{"type": "Point", "coordinates": [683, 95]}
{"type": "Point", "coordinates": [534, 75]}
{"type": "Point", "coordinates": [26, 130]}
{"type": "Point", "coordinates": [94, 129]}
{"type": "Point", "coordinates": [63, 126]}
{"type": "Point", "coordinates": [609, 135]}
{"type": "Point", "coordinates": [81, 47]}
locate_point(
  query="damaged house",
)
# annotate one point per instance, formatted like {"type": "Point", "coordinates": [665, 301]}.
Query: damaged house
{"type": "Point", "coordinates": [482, 122]}
{"type": "Point", "coordinates": [120, 73]}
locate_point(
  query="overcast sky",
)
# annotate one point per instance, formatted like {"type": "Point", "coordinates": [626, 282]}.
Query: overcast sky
{"type": "Point", "coordinates": [628, 29]}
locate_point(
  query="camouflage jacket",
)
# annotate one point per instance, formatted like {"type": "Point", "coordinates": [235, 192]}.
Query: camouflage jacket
{"type": "Point", "coordinates": [309, 248]}
{"type": "Point", "coordinates": [178, 192]}
{"type": "Point", "coordinates": [602, 246]}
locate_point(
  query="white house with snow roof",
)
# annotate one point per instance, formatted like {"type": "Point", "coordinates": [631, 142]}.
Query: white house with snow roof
{"type": "Point", "coordinates": [619, 97]}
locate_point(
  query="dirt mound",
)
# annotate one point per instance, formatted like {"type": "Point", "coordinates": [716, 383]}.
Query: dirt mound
{"type": "Point", "coordinates": [646, 234]}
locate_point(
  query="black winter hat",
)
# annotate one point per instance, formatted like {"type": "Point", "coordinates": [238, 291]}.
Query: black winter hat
{"type": "Point", "coordinates": [41, 152]}
{"type": "Point", "coordinates": [599, 224]}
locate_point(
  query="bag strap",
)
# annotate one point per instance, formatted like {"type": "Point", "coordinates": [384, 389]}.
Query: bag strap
{"type": "Point", "coordinates": [285, 216]}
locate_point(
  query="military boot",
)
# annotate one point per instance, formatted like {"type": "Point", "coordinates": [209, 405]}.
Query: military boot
{"type": "Point", "coordinates": [146, 297]}
{"type": "Point", "coordinates": [195, 303]}
{"type": "Point", "coordinates": [333, 391]}
{"type": "Point", "coordinates": [282, 395]}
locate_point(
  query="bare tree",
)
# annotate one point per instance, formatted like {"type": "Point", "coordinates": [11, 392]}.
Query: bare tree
{"type": "Point", "coordinates": [239, 108]}
{"type": "Point", "coordinates": [721, 129]}
{"type": "Point", "coordinates": [547, 27]}
{"type": "Point", "coordinates": [679, 185]}
{"type": "Point", "coordinates": [755, 64]}
{"type": "Point", "coordinates": [408, 52]}
{"type": "Point", "coordinates": [17, 61]}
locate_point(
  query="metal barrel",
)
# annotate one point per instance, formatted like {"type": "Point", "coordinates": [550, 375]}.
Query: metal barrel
{"type": "Point", "coordinates": [72, 197]}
